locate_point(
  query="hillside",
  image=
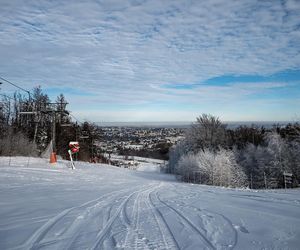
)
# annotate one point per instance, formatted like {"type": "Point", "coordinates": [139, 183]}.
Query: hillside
{"type": "Point", "coordinates": [96, 206]}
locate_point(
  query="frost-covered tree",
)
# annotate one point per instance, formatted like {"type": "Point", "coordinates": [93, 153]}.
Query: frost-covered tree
{"type": "Point", "coordinates": [175, 153]}
{"type": "Point", "coordinates": [225, 170]}
{"type": "Point", "coordinates": [251, 163]}
{"type": "Point", "coordinates": [263, 154]}
{"type": "Point", "coordinates": [264, 165]}
{"type": "Point", "coordinates": [5, 112]}
{"type": "Point", "coordinates": [275, 147]}
{"type": "Point", "coordinates": [275, 167]}
{"type": "Point", "coordinates": [200, 156]}
{"type": "Point", "coordinates": [215, 168]}
{"type": "Point", "coordinates": [293, 160]}
{"type": "Point", "coordinates": [187, 166]}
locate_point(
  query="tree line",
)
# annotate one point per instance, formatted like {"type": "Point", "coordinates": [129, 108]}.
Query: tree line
{"type": "Point", "coordinates": [248, 156]}
{"type": "Point", "coordinates": [29, 123]}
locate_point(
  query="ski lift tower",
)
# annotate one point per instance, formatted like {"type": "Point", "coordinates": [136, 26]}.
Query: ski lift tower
{"type": "Point", "coordinates": [52, 109]}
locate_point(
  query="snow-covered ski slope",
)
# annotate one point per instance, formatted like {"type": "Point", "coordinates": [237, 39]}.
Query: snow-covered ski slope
{"type": "Point", "coordinates": [96, 206]}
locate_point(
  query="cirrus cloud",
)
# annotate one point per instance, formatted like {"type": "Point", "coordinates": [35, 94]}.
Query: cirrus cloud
{"type": "Point", "coordinates": [125, 53]}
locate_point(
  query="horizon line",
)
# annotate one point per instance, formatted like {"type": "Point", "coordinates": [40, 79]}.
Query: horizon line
{"type": "Point", "coordinates": [243, 121]}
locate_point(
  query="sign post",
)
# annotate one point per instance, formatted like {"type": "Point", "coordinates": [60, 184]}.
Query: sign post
{"type": "Point", "coordinates": [287, 179]}
{"type": "Point", "coordinates": [73, 148]}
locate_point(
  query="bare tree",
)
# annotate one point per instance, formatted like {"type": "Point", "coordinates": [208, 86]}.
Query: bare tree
{"type": "Point", "coordinates": [17, 144]}
{"type": "Point", "coordinates": [207, 132]}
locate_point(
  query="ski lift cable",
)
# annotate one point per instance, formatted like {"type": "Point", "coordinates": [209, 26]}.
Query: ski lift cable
{"type": "Point", "coordinates": [17, 86]}
{"type": "Point", "coordinates": [76, 119]}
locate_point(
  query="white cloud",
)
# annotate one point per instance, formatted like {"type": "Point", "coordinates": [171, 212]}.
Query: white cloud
{"type": "Point", "coordinates": [126, 51]}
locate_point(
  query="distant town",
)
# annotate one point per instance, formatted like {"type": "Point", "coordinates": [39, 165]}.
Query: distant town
{"type": "Point", "coordinates": [151, 142]}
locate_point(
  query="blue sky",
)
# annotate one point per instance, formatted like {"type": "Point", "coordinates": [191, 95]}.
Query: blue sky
{"type": "Point", "coordinates": [142, 60]}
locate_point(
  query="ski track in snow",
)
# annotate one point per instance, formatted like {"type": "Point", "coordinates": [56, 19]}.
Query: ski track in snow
{"type": "Point", "coordinates": [136, 237]}
{"type": "Point", "coordinates": [81, 212]}
{"type": "Point", "coordinates": [143, 211]}
{"type": "Point", "coordinates": [188, 223]}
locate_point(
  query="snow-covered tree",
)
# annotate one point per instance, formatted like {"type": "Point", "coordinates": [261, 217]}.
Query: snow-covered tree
{"type": "Point", "coordinates": [293, 160]}
{"type": "Point", "coordinates": [216, 168]}
{"type": "Point", "coordinates": [187, 165]}
{"type": "Point", "coordinates": [263, 154]}
{"type": "Point", "coordinates": [275, 146]}
{"type": "Point", "coordinates": [175, 153]}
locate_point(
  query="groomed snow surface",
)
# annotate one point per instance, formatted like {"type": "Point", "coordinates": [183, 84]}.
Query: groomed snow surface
{"type": "Point", "coordinates": [96, 206]}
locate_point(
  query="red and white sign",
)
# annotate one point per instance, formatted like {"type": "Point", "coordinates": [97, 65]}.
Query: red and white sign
{"type": "Point", "coordinates": [74, 146]}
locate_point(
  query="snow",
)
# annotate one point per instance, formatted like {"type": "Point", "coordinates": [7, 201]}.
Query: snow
{"type": "Point", "coordinates": [97, 206]}
{"type": "Point", "coordinates": [140, 163]}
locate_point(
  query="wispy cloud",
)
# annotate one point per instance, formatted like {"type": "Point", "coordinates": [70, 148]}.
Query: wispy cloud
{"type": "Point", "coordinates": [126, 52]}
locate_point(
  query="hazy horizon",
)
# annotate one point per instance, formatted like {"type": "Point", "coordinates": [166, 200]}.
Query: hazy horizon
{"type": "Point", "coordinates": [230, 124]}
